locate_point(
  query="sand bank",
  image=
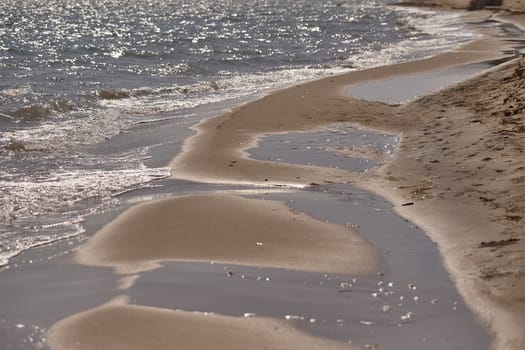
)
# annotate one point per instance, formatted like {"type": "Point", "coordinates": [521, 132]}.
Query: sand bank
{"type": "Point", "coordinates": [128, 327]}
{"type": "Point", "coordinates": [227, 229]}
{"type": "Point", "coordinates": [217, 152]}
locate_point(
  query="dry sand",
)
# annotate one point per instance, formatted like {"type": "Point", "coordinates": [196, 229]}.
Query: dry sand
{"type": "Point", "coordinates": [463, 165]}
{"type": "Point", "coordinates": [460, 162]}
{"type": "Point", "coordinates": [227, 229]}
{"type": "Point", "coordinates": [119, 326]}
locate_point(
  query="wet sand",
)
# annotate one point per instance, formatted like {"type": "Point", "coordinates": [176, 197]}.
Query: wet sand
{"type": "Point", "coordinates": [227, 229]}
{"type": "Point", "coordinates": [120, 326]}
{"type": "Point", "coordinates": [454, 217]}
{"type": "Point", "coordinates": [412, 302]}
{"type": "Point", "coordinates": [217, 153]}
{"type": "Point", "coordinates": [459, 223]}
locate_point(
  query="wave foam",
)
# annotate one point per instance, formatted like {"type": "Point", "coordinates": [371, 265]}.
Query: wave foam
{"type": "Point", "coordinates": [428, 32]}
{"type": "Point", "coordinates": [45, 206]}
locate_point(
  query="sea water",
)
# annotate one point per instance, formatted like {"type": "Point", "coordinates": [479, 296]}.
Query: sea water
{"type": "Point", "coordinates": [75, 74]}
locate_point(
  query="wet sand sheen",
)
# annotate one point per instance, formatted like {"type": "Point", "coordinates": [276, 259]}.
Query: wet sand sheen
{"type": "Point", "coordinates": [227, 229]}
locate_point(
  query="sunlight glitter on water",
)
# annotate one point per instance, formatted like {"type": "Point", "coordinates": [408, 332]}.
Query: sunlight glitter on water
{"type": "Point", "coordinates": [76, 74]}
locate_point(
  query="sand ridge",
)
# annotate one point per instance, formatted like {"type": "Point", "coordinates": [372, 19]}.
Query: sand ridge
{"type": "Point", "coordinates": [227, 229]}
{"type": "Point", "coordinates": [119, 326]}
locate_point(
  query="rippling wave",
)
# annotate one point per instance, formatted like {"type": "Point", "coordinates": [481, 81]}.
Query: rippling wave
{"type": "Point", "coordinates": [41, 110]}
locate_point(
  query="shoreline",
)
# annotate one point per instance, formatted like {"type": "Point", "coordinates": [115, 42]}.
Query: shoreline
{"type": "Point", "coordinates": [316, 302]}
{"type": "Point", "coordinates": [496, 316]}
{"type": "Point", "coordinates": [225, 139]}
{"type": "Point", "coordinates": [471, 209]}
{"type": "Point", "coordinates": [307, 106]}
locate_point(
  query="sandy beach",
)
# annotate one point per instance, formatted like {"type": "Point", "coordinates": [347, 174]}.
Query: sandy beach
{"type": "Point", "coordinates": [463, 168]}
{"type": "Point", "coordinates": [458, 173]}
{"type": "Point", "coordinates": [216, 153]}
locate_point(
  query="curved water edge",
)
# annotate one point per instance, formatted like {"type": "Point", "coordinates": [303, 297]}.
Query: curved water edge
{"type": "Point", "coordinates": [339, 146]}
{"type": "Point", "coordinates": [411, 303]}
{"type": "Point", "coordinates": [148, 115]}
{"type": "Point", "coordinates": [59, 128]}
